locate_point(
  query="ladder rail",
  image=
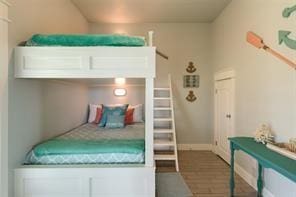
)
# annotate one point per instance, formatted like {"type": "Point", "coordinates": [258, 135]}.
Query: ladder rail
{"type": "Point", "coordinates": [170, 140]}
{"type": "Point", "coordinates": [173, 122]}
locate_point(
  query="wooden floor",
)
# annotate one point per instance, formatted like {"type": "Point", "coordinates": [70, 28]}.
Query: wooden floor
{"type": "Point", "coordinates": [206, 175]}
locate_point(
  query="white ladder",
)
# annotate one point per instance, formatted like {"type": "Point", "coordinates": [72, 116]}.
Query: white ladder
{"type": "Point", "coordinates": [164, 125]}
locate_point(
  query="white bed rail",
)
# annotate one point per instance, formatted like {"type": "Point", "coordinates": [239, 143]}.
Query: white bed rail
{"type": "Point", "coordinates": [150, 36]}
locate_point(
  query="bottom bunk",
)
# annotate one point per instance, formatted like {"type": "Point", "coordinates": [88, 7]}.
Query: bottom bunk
{"type": "Point", "coordinates": [88, 161]}
{"type": "Point", "coordinates": [91, 144]}
{"type": "Point", "coordinates": [130, 180]}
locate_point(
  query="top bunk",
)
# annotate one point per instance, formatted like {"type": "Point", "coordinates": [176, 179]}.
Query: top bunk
{"type": "Point", "coordinates": [85, 56]}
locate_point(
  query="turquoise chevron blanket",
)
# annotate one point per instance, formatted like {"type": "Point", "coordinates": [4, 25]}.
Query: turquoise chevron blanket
{"type": "Point", "coordinates": [85, 40]}
{"type": "Point", "coordinates": [66, 146]}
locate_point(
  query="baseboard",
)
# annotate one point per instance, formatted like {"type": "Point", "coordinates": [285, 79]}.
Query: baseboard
{"type": "Point", "coordinates": [267, 193]}
{"type": "Point", "coordinates": [208, 147]}
{"type": "Point", "coordinates": [251, 180]}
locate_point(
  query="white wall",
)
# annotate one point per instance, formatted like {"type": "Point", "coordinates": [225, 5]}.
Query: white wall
{"type": "Point", "coordinates": [65, 106]}
{"type": "Point", "coordinates": [25, 105]}
{"type": "Point", "coordinates": [105, 95]}
{"type": "Point", "coordinates": [182, 43]}
{"type": "Point", "coordinates": [266, 87]}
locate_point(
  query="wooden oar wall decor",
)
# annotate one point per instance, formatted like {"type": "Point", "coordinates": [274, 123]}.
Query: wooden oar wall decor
{"type": "Point", "coordinates": [258, 42]}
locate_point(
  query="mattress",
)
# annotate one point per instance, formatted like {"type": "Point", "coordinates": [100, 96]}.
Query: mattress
{"type": "Point", "coordinates": [103, 146]}
{"type": "Point", "coordinates": [85, 40]}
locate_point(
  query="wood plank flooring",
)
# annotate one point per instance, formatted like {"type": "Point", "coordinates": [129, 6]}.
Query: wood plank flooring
{"type": "Point", "coordinates": [207, 175]}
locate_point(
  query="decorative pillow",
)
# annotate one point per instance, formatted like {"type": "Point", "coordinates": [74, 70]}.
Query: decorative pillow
{"type": "Point", "coordinates": [129, 116]}
{"type": "Point", "coordinates": [99, 115]}
{"type": "Point", "coordinates": [114, 110]}
{"type": "Point", "coordinates": [115, 121]}
{"type": "Point", "coordinates": [138, 113]}
{"type": "Point", "coordinates": [93, 112]}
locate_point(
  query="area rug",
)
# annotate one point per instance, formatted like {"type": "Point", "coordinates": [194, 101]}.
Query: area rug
{"type": "Point", "coordinates": [171, 185]}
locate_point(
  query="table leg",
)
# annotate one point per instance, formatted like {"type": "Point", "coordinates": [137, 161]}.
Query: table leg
{"type": "Point", "coordinates": [259, 181]}
{"type": "Point", "coordinates": [232, 184]}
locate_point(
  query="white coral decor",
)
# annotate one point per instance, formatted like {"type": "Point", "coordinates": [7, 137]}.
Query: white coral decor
{"type": "Point", "coordinates": [263, 134]}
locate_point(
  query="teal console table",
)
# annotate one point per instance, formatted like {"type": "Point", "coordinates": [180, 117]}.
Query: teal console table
{"type": "Point", "coordinates": [265, 157]}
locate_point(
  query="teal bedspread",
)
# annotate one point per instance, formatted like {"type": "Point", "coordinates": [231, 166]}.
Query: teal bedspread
{"type": "Point", "coordinates": [85, 40]}
{"type": "Point", "coordinates": [66, 146]}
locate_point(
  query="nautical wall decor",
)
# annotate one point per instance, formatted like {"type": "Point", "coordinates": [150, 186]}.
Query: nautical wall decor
{"type": "Point", "coordinates": [288, 11]}
{"type": "Point", "coordinates": [284, 34]}
{"type": "Point", "coordinates": [191, 81]}
{"type": "Point", "coordinates": [191, 68]}
{"type": "Point", "coordinates": [258, 42]}
{"type": "Point", "coordinates": [191, 97]}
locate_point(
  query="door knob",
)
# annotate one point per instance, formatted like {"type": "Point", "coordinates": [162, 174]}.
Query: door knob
{"type": "Point", "coordinates": [228, 115]}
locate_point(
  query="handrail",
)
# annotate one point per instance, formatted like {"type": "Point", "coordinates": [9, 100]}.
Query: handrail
{"type": "Point", "coordinates": [150, 43]}
{"type": "Point", "coordinates": [161, 54]}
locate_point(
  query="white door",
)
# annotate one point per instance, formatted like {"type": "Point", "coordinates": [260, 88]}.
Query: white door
{"type": "Point", "coordinates": [224, 116]}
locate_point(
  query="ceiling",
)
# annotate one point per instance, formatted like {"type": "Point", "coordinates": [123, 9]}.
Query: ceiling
{"type": "Point", "coordinates": [150, 11]}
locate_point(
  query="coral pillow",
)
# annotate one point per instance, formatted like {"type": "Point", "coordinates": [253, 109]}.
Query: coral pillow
{"type": "Point", "coordinates": [129, 116]}
{"type": "Point", "coordinates": [98, 115]}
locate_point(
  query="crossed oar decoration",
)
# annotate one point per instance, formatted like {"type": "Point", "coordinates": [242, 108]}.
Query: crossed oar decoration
{"type": "Point", "coordinates": [284, 35]}
{"type": "Point", "coordinates": [258, 42]}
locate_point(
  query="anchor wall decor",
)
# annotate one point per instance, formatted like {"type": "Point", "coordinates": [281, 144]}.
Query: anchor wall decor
{"type": "Point", "coordinates": [191, 68]}
{"type": "Point", "coordinates": [191, 97]}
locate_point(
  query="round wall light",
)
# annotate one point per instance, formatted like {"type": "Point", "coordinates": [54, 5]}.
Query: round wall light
{"type": "Point", "coordinates": [119, 92]}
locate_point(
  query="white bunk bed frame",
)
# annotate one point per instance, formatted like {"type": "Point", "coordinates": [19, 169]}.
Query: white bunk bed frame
{"type": "Point", "coordinates": [90, 180]}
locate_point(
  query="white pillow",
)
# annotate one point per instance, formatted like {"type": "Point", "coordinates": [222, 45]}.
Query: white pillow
{"type": "Point", "coordinates": [93, 112]}
{"type": "Point", "coordinates": [138, 112]}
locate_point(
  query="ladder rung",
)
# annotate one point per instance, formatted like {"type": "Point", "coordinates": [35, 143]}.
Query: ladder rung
{"type": "Point", "coordinates": [162, 108]}
{"type": "Point", "coordinates": [163, 131]}
{"type": "Point", "coordinates": [162, 98]}
{"type": "Point", "coordinates": [163, 119]}
{"type": "Point", "coordinates": [163, 89]}
{"type": "Point", "coordinates": [163, 143]}
{"type": "Point", "coordinates": [164, 157]}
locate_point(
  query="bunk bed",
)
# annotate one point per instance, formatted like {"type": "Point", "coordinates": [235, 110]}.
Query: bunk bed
{"type": "Point", "coordinates": [50, 60]}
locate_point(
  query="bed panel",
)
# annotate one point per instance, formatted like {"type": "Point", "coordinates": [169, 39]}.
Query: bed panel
{"type": "Point", "coordinates": [84, 62]}
{"type": "Point", "coordinates": [125, 181]}
{"type": "Point", "coordinates": [53, 187]}
{"type": "Point", "coordinates": [52, 63]}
